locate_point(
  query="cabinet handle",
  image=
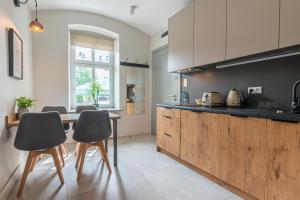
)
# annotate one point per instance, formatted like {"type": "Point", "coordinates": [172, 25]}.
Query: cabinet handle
{"type": "Point", "coordinates": [167, 134]}
{"type": "Point", "coordinates": [167, 117]}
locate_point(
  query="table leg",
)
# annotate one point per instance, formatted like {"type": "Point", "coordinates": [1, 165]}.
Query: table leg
{"type": "Point", "coordinates": [115, 135]}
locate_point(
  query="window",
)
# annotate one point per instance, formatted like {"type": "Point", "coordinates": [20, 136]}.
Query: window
{"type": "Point", "coordinates": [91, 76]}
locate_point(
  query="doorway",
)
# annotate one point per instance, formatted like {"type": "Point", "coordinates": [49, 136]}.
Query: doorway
{"type": "Point", "coordinates": [165, 85]}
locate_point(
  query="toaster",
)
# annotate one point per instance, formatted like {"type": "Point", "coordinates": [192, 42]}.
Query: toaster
{"type": "Point", "coordinates": [211, 99]}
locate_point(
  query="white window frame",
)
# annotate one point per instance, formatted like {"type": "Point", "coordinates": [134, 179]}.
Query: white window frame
{"type": "Point", "coordinates": [94, 65]}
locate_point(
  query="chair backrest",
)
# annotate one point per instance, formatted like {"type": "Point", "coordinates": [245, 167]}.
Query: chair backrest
{"type": "Point", "coordinates": [39, 131]}
{"type": "Point", "coordinates": [60, 109]}
{"type": "Point", "coordinates": [80, 109]}
{"type": "Point", "coordinates": [92, 126]}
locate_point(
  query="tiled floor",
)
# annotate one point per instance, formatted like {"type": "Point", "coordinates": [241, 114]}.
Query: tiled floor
{"type": "Point", "coordinates": [142, 174]}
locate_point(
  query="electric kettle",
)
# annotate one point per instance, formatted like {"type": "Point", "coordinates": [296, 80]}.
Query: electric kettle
{"type": "Point", "coordinates": [235, 98]}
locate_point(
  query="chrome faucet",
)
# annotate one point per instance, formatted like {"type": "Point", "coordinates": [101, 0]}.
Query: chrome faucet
{"type": "Point", "coordinates": [295, 99]}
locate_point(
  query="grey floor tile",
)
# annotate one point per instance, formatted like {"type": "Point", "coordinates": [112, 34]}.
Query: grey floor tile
{"type": "Point", "coordinates": [142, 173]}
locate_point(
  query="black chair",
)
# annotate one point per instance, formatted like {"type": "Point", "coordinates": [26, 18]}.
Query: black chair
{"type": "Point", "coordinates": [92, 128]}
{"type": "Point", "coordinates": [61, 110]}
{"type": "Point", "coordinates": [39, 133]}
{"type": "Point", "coordinates": [63, 150]}
{"type": "Point", "coordinates": [80, 109]}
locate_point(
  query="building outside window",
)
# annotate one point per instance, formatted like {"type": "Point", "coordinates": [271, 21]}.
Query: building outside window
{"type": "Point", "coordinates": [91, 73]}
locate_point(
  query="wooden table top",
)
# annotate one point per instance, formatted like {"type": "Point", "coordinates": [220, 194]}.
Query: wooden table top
{"type": "Point", "coordinates": [12, 121]}
{"type": "Point", "coordinates": [73, 117]}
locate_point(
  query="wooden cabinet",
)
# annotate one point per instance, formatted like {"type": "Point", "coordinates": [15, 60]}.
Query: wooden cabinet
{"type": "Point", "coordinates": [289, 23]}
{"type": "Point", "coordinates": [168, 130]}
{"type": "Point", "coordinates": [258, 156]}
{"type": "Point", "coordinates": [210, 31]}
{"type": "Point", "coordinates": [283, 161]}
{"type": "Point", "coordinates": [191, 127]}
{"type": "Point", "coordinates": [181, 39]}
{"type": "Point", "coordinates": [209, 143]}
{"type": "Point", "coordinates": [252, 27]}
{"type": "Point", "coordinates": [241, 154]}
{"type": "Point", "coordinates": [199, 140]}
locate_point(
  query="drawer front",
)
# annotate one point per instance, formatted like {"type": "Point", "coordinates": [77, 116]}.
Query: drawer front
{"type": "Point", "coordinates": [167, 125]}
{"type": "Point", "coordinates": [172, 141]}
{"type": "Point", "coordinates": [168, 112]}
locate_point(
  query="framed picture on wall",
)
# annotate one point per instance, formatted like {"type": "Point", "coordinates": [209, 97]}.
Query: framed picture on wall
{"type": "Point", "coordinates": [15, 48]}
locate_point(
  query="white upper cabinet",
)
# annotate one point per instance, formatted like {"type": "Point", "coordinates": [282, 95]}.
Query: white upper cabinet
{"type": "Point", "coordinates": [252, 26]}
{"type": "Point", "coordinates": [210, 31]}
{"type": "Point", "coordinates": [181, 39]}
{"type": "Point", "coordinates": [289, 23]}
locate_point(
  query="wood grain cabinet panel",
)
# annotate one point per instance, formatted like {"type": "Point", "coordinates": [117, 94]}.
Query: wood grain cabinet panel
{"type": "Point", "coordinates": [283, 161]}
{"type": "Point", "coordinates": [181, 39]}
{"type": "Point", "coordinates": [252, 27]}
{"type": "Point", "coordinates": [210, 31]}
{"type": "Point", "coordinates": [289, 23]}
{"type": "Point", "coordinates": [255, 157]}
{"type": "Point", "coordinates": [191, 127]}
{"type": "Point", "coordinates": [209, 143]}
{"type": "Point", "coordinates": [159, 127]}
{"type": "Point", "coordinates": [241, 153]}
{"type": "Point", "coordinates": [168, 131]}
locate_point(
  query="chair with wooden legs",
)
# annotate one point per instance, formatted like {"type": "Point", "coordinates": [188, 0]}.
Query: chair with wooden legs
{"type": "Point", "coordinates": [39, 133]}
{"type": "Point", "coordinates": [63, 150]}
{"type": "Point", "coordinates": [79, 110]}
{"type": "Point", "coordinates": [93, 127]}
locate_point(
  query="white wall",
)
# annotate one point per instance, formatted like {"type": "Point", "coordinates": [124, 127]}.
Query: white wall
{"type": "Point", "coordinates": [156, 41]}
{"type": "Point", "coordinates": [10, 88]}
{"type": "Point", "coordinates": [50, 58]}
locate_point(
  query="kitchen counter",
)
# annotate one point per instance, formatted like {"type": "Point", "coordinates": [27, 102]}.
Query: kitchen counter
{"type": "Point", "coordinates": [242, 112]}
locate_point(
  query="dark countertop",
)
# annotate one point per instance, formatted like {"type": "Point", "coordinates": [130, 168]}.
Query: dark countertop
{"type": "Point", "coordinates": [243, 112]}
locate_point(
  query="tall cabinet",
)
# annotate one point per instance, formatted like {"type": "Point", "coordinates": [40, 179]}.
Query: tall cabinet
{"type": "Point", "coordinates": [181, 39]}
{"type": "Point", "coordinates": [252, 27]}
{"type": "Point", "coordinates": [210, 31]}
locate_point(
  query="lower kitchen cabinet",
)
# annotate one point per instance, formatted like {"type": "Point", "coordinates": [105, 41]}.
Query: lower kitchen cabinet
{"type": "Point", "coordinates": [191, 128]}
{"type": "Point", "coordinates": [199, 138]}
{"type": "Point", "coordinates": [257, 156]}
{"type": "Point", "coordinates": [230, 148]}
{"type": "Point", "coordinates": [242, 150]}
{"type": "Point", "coordinates": [168, 130]}
{"type": "Point", "coordinates": [209, 143]}
{"type": "Point", "coordinates": [283, 161]}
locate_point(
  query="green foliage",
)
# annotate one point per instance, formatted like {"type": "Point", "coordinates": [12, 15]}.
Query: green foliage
{"type": "Point", "coordinates": [95, 90]}
{"type": "Point", "coordinates": [25, 102]}
{"type": "Point", "coordinates": [83, 75]}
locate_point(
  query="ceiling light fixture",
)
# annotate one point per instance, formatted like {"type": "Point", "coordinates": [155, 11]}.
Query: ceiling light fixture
{"type": "Point", "coordinates": [132, 9]}
{"type": "Point", "coordinates": [35, 25]}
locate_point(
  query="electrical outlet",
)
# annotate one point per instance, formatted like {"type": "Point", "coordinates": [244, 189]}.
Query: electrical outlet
{"type": "Point", "coordinates": [255, 90]}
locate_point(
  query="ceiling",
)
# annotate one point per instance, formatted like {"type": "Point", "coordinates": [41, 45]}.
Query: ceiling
{"type": "Point", "coordinates": [149, 17]}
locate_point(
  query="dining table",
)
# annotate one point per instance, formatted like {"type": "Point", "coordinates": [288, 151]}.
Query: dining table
{"type": "Point", "coordinates": [12, 121]}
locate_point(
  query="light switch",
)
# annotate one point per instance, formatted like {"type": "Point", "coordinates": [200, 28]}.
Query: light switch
{"type": "Point", "coordinates": [185, 83]}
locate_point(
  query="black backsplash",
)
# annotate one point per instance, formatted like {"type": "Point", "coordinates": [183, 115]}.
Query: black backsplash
{"type": "Point", "coordinates": [276, 77]}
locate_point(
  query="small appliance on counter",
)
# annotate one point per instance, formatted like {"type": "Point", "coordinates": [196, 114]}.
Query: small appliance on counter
{"type": "Point", "coordinates": [212, 99]}
{"type": "Point", "coordinates": [295, 99]}
{"type": "Point", "coordinates": [235, 98]}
